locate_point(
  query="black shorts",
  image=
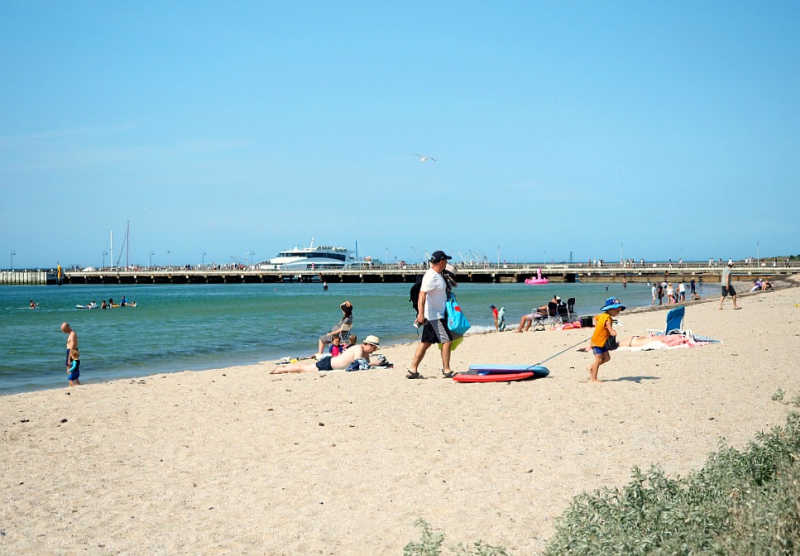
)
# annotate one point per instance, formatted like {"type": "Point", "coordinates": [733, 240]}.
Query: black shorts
{"type": "Point", "coordinates": [436, 332]}
{"type": "Point", "coordinates": [324, 364]}
{"type": "Point", "coordinates": [728, 291]}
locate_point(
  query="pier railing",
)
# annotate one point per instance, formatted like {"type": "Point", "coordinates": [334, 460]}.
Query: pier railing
{"type": "Point", "coordinates": [488, 272]}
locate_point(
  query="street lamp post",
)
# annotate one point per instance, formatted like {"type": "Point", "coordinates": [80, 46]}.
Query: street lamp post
{"type": "Point", "coordinates": [11, 254]}
{"type": "Point", "coordinates": [150, 264]}
{"type": "Point", "coordinates": [103, 259]}
{"type": "Point", "coordinates": [204, 258]}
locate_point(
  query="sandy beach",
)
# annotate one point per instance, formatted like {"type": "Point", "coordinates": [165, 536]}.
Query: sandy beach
{"type": "Point", "coordinates": [236, 460]}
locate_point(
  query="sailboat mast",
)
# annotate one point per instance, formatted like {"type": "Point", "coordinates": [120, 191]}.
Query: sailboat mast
{"type": "Point", "coordinates": [111, 248]}
{"type": "Point", "coordinates": [127, 244]}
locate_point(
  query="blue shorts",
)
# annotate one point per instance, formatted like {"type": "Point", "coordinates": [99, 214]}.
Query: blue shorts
{"type": "Point", "coordinates": [77, 372]}
{"type": "Point", "coordinates": [599, 350]}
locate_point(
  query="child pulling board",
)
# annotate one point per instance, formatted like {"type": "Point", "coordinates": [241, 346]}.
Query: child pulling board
{"type": "Point", "coordinates": [603, 332]}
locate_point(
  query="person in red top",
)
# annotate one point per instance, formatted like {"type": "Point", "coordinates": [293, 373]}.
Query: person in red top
{"type": "Point", "coordinates": [495, 315]}
{"type": "Point", "coordinates": [336, 346]}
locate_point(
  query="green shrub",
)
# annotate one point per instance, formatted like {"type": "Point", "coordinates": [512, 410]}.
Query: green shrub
{"type": "Point", "coordinates": [430, 544]}
{"type": "Point", "coordinates": [738, 502]}
{"type": "Point", "coordinates": [479, 548]}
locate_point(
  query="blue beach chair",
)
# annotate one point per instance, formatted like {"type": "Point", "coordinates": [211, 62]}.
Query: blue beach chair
{"type": "Point", "coordinates": [674, 322]}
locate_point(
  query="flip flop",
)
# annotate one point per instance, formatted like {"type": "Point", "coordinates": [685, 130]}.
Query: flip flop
{"type": "Point", "coordinates": [413, 374]}
{"type": "Point", "coordinates": [448, 374]}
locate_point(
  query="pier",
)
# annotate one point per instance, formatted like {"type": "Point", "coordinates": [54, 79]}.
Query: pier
{"type": "Point", "coordinates": [485, 273]}
{"type": "Point", "coordinates": [24, 277]}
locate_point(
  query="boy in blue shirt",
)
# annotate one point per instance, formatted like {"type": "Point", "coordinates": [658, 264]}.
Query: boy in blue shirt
{"type": "Point", "coordinates": [74, 367]}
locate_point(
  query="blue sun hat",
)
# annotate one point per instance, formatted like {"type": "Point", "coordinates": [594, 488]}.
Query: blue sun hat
{"type": "Point", "coordinates": [613, 303]}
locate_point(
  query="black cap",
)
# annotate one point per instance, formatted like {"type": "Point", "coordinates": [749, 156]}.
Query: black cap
{"type": "Point", "coordinates": [439, 256]}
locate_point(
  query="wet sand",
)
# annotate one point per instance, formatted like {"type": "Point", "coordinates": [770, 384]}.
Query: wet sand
{"type": "Point", "coordinates": [237, 460]}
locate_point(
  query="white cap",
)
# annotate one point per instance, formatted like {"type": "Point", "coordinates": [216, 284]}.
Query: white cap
{"type": "Point", "coordinates": [374, 340]}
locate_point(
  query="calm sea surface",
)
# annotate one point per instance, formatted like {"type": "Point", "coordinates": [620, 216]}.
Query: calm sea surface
{"type": "Point", "coordinates": [179, 327]}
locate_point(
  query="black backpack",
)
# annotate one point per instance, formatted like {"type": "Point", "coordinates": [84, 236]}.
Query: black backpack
{"type": "Point", "coordinates": [413, 293]}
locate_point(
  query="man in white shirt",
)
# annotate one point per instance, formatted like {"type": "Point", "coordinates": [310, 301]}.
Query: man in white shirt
{"type": "Point", "coordinates": [431, 314]}
{"type": "Point", "coordinates": [727, 286]}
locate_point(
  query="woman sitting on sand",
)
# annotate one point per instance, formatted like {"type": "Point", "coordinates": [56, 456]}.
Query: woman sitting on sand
{"type": "Point", "coordinates": [342, 329]}
{"type": "Point", "coordinates": [340, 362]}
{"type": "Point", "coordinates": [526, 320]}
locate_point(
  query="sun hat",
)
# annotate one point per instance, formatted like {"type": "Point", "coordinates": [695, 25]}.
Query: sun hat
{"type": "Point", "coordinates": [438, 256]}
{"type": "Point", "coordinates": [613, 303]}
{"type": "Point", "coordinates": [374, 340]}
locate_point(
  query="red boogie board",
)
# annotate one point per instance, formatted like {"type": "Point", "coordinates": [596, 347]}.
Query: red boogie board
{"type": "Point", "coordinates": [475, 377]}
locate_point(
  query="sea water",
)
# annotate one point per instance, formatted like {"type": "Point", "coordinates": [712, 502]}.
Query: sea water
{"type": "Point", "coordinates": [188, 327]}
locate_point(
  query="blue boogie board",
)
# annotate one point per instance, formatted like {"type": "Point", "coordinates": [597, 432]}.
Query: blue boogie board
{"type": "Point", "coordinates": [537, 370]}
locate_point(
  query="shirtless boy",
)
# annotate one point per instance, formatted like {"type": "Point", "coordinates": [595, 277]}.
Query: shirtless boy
{"type": "Point", "coordinates": [362, 351]}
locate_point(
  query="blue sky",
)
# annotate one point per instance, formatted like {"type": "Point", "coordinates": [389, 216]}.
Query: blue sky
{"type": "Point", "coordinates": [668, 128]}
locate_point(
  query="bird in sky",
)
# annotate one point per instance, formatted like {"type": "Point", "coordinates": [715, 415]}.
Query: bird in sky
{"type": "Point", "coordinates": [425, 158]}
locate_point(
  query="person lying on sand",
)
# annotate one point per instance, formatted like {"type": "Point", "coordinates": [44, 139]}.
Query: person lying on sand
{"type": "Point", "coordinates": [669, 340]}
{"type": "Point", "coordinates": [340, 362]}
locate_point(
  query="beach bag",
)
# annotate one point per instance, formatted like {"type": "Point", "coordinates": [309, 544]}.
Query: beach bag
{"type": "Point", "coordinates": [457, 323]}
{"type": "Point", "coordinates": [611, 343]}
{"type": "Point", "coordinates": [358, 365]}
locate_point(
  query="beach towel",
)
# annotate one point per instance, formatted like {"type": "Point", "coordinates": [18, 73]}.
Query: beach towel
{"type": "Point", "coordinates": [673, 341]}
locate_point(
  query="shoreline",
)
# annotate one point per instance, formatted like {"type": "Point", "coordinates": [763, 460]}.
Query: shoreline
{"type": "Point", "coordinates": [238, 460]}
{"type": "Point", "coordinates": [166, 368]}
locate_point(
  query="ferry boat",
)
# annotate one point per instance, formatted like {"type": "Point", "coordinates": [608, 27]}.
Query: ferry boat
{"type": "Point", "coordinates": [320, 257]}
